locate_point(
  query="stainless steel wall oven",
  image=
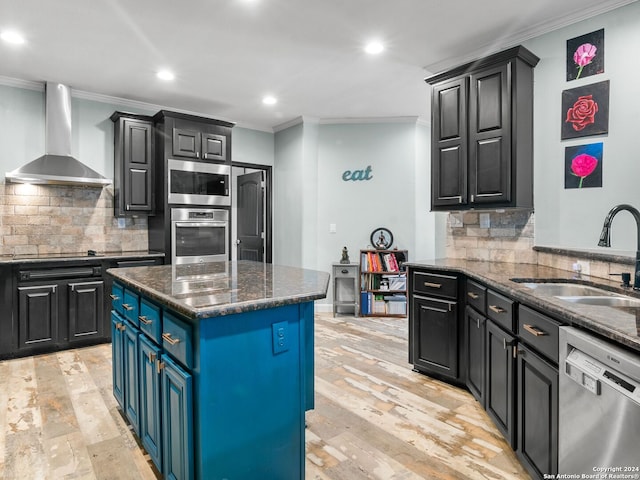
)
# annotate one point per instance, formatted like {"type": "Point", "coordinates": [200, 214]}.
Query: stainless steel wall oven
{"type": "Point", "coordinates": [198, 183]}
{"type": "Point", "coordinates": [199, 235]}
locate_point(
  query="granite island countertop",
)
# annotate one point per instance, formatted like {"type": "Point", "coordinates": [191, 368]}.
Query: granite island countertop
{"type": "Point", "coordinates": [224, 288]}
{"type": "Point", "coordinates": [619, 324]}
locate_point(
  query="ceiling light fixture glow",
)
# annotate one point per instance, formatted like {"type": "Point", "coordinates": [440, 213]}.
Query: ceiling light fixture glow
{"type": "Point", "coordinates": [269, 100]}
{"type": "Point", "coordinates": [11, 36]}
{"type": "Point", "coordinates": [165, 75]}
{"type": "Point", "coordinates": [374, 48]}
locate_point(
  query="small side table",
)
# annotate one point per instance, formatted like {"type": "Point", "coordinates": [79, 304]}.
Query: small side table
{"type": "Point", "coordinates": [345, 286]}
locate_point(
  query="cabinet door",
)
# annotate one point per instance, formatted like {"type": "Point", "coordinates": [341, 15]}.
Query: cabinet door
{"type": "Point", "coordinates": [177, 421]}
{"type": "Point", "coordinates": [490, 136]}
{"type": "Point", "coordinates": [37, 315]}
{"type": "Point", "coordinates": [537, 413]}
{"type": "Point", "coordinates": [214, 147]}
{"type": "Point", "coordinates": [117, 357]}
{"type": "Point", "coordinates": [435, 336]}
{"type": "Point", "coordinates": [500, 386]}
{"type": "Point", "coordinates": [186, 143]}
{"type": "Point", "coordinates": [449, 144]}
{"type": "Point", "coordinates": [150, 412]}
{"type": "Point", "coordinates": [130, 377]}
{"type": "Point", "coordinates": [86, 310]}
{"type": "Point", "coordinates": [138, 159]}
{"type": "Point", "coordinates": [475, 325]}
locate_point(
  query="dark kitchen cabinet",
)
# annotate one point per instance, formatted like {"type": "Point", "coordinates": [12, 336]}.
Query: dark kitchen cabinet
{"type": "Point", "coordinates": [482, 133]}
{"type": "Point", "coordinates": [133, 164]}
{"type": "Point", "coordinates": [199, 145]}
{"type": "Point", "coordinates": [433, 324]}
{"type": "Point", "coordinates": [537, 413]}
{"type": "Point", "coordinates": [85, 310]}
{"type": "Point", "coordinates": [37, 315]}
{"type": "Point", "coordinates": [500, 400]}
{"type": "Point", "coordinates": [475, 324]}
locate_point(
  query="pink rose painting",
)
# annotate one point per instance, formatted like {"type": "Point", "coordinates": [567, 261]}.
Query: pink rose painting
{"type": "Point", "coordinates": [583, 166]}
{"type": "Point", "coordinates": [585, 55]}
{"type": "Point", "coordinates": [585, 110]}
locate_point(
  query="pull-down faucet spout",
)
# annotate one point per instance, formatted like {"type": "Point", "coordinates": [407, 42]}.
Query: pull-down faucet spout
{"type": "Point", "coordinates": [605, 235]}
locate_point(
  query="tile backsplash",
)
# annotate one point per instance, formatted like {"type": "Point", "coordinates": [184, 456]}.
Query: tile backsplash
{"type": "Point", "coordinates": [495, 236]}
{"type": "Point", "coordinates": [42, 219]}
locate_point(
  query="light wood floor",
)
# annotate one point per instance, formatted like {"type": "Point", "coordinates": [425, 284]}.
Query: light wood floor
{"type": "Point", "coordinates": [374, 417]}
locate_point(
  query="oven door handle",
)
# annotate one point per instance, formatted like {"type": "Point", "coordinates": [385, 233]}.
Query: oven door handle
{"type": "Point", "coordinates": [200, 224]}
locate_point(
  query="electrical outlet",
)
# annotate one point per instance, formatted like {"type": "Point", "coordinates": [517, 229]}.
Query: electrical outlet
{"type": "Point", "coordinates": [332, 228]}
{"type": "Point", "coordinates": [581, 267]}
{"type": "Point", "coordinates": [280, 333]}
{"type": "Point", "coordinates": [485, 220]}
{"type": "Point", "coordinates": [122, 222]}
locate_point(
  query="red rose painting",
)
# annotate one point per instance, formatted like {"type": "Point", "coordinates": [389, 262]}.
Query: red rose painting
{"type": "Point", "coordinates": [583, 165]}
{"type": "Point", "coordinates": [585, 110]}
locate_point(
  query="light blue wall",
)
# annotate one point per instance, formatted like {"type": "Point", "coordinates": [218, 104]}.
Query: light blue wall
{"type": "Point", "coordinates": [573, 218]}
{"type": "Point", "coordinates": [252, 146]}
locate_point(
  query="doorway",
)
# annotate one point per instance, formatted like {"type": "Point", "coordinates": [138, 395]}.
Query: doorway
{"type": "Point", "coordinates": [251, 212]}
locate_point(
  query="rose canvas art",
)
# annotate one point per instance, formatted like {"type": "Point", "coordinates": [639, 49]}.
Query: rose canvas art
{"type": "Point", "coordinates": [583, 166]}
{"type": "Point", "coordinates": [585, 111]}
{"type": "Point", "coordinates": [585, 55]}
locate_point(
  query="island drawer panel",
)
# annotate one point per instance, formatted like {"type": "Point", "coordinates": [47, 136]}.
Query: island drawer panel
{"type": "Point", "coordinates": [177, 339]}
{"type": "Point", "coordinates": [131, 306]}
{"type": "Point", "coordinates": [539, 331]}
{"type": "Point", "coordinates": [501, 310]}
{"type": "Point", "coordinates": [117, 294]}
{"type": "Point", "coordinates": [151, 320]}
{"type": "Point", "coordinates": [435, 284]}
{"type": "Point", "coordinates": [477, 296]}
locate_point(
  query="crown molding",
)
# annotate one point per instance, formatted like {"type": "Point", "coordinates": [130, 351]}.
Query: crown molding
{"type": "Point", "coordinates": [517, 38]}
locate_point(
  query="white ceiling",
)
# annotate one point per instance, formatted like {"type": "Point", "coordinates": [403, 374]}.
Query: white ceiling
{"type": "Point", "coordinates": [228, 54]}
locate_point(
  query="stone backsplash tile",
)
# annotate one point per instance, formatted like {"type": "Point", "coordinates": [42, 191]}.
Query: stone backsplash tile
{"type": "Point", "coordinates": [41, 219]}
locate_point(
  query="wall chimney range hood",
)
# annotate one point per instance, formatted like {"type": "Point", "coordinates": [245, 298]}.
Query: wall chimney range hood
{"type": "Point", "coordinates": [57, 166]}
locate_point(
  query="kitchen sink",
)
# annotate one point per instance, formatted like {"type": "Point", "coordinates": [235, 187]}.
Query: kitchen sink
{"type": "Point", "coordinates": [605, 301]}
{"type": "Point", "coordinates": [567, 289]}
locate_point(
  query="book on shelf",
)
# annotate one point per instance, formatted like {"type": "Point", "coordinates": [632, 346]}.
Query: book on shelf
{"type": "Point", "coordinates": [384, 261]}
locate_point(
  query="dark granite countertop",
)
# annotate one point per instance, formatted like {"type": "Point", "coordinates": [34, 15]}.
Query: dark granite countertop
{"type": "Point", "coordinates": [622, 325]}
{"type": "Point", "coordinates": [82, 256]}
{"type": "Point", "coordinates": [224, 288]}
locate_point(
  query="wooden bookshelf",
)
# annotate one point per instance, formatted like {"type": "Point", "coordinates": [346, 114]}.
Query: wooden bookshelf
{"type": "Point", "coordinates": [383, 283]}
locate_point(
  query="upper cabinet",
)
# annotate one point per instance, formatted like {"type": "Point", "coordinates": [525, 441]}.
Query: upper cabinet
{"type": "Point", "coordinates": [482, 133]}
{"type": "Point", "coordinates": [199, 145]}
{"type": "Point", "coordinates": [133, 167]}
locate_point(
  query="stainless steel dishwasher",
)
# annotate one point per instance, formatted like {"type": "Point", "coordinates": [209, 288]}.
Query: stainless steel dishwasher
{"type": "Point", "coordinates": [599, 406]}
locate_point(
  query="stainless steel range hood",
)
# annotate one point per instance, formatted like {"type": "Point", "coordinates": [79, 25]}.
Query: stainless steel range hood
{"type": "Point", "coordinates": [57, 166]}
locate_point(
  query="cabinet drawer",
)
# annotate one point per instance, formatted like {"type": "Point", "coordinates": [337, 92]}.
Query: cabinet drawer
{"type": "Point", "coordinates": [477, 296]}
{"type": "Point", "coordinates": [131, 306]}
{"type": "Point", "coordinates": [346, 271]}
{"type": "Point", "coordinates": [435, 284]}
{"type": "Point", "coordinates": [117, 295]}
{"type": "Point", "coordinates": [151, 320]}
{"type": "Point", "coordinates": [176, 339]}
{"type": "Point", "coordinates": [539, 331]}
{"type": "Point", "coordinates": [501, 310]}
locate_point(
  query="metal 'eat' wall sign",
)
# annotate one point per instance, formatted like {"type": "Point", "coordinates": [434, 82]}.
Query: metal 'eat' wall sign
{"type": "Point", "coordinates": [357, 175]}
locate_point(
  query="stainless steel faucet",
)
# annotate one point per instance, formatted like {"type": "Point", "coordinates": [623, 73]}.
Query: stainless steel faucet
{"type": "Point", "coordinates": [605, 235]}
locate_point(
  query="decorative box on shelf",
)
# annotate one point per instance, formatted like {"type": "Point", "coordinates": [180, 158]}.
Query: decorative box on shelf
{"type": "Point", "coordinates": [383, 283]}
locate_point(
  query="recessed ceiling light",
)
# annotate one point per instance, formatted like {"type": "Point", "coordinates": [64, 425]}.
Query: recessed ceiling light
{"type": "Point", "coordinates": [269, 100]}
{"type": "Point", "coordinates": [11, 36]}
{"type": "Point", "coordinates": [374, 48]}
{"type": "Point", "coordinates": [165, 75]}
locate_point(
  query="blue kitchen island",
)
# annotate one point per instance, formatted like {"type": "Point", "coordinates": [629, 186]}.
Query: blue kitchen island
{"type": "Point", "coordinates": [213, 365]}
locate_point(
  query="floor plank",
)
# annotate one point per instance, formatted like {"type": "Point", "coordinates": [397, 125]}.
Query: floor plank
{"type": "Point", "coordinates": [374, 418]}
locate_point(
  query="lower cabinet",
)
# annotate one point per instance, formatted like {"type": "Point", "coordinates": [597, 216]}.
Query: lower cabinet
{"type": "Point", "coordinates": [537, 413]}
{"type": "Point", "coordinates": [85, 301]}
{"type": "Point", "coordinates": [154, 391]}
{"type": "Point", "coordinates": [500, 373]}
{"type": "Point", "coordinates": [475, 334]}
{"type": "Point", "coordinates": [435, 334]}
{"type": "Point", "coordinates": [37, 315]}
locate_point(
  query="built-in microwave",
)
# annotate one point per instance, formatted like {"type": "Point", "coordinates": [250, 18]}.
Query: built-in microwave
{"type": "Point", "coordinates": [198, 183]}
{"type": "Point", "coordinates": [199, 235]}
